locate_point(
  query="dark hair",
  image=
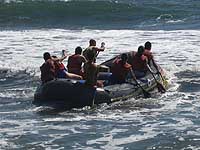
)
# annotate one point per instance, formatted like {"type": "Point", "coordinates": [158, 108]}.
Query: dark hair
{"type": "Point", "coordinates": [147, 45]}
{"type": "Point", "coordinates": [54, 56]}
{"type": "Point", "coordinates": [124, 57]}
{"type": "Point", "coordinates": [92, 42]}
{"type": "Point", "coordinates": [46, 56]}
{"type": "Point", "coordinates": [140, 50]}
{"type": "Point", "coordinates": [90, 55]}
{"type": "Point", "coordinates": [78, 50]}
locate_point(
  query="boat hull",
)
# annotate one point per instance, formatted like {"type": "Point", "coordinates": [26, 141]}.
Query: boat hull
{"type": "Point", "coordinates": [74, 94]}
{"type": "Point", "coordinates": [70, 93]}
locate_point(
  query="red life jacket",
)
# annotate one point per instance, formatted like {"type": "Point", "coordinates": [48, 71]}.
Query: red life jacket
{"type": "Point", "coordinates": [47, 71]}
{"type": "Point", "coordinates": [119, 70]}
{"type": "Point", "coordinates": [74, 64]}
{"type": "Point", "coordinates": [139, 63]}
{"type": "Point", "coordinates": [58, 67]}
{"type": "Point", "coordinates": [61, 66]}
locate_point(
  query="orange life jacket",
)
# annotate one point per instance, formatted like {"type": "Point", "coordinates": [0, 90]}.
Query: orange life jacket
{"type": "Point", "coordinates": [74, 64]}
{"type": "Point", "coordinates": [58, 67]}
{"type": "Point", "coordinates": [47, 71]}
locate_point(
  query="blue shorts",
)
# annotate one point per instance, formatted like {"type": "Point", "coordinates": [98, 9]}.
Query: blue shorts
{"type": "Point", "coordinates": [62, 74]}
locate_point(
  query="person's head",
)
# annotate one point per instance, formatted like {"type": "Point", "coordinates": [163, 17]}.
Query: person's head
{"type": "Point", "coordinates": [46, 56]}
{"type": "Point", "coordinates": [92, 42]}
{"type": "Point", "coordinates": [124, 58]}
{"type": "Point", "coordinates": [140, 50]}
{"type": "Point", "coordinates": [147, 45]}
{"type": "Point", "coordinates": [78, 50]}
{"type": "Point", "coordinates": [90, 55]}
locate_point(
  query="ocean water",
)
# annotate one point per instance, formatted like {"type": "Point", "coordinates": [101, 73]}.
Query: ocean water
{"type": "Point", "coordinates": [164, 122]}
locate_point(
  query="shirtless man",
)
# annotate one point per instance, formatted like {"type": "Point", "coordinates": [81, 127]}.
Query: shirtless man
{"type": "Point", "coordinates": [139, 63]}
{"type": "Point", "coordinates": [90, 71]}
{"type": "Point", "coordinates": [92, 47]}
{"type": "Point", "coordinates": [149, 55]}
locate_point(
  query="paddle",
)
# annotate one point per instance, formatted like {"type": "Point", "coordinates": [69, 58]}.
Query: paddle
{"type": "Point", "coordinates": [159, 85]}
{"type": "Point", "coordinates": [145, 93]}
{"type": "Point", "coordinates": [158, 72]}
{"type": "Point", "coordinates": [94, 96]}
{"type": "Point", "coordinates": [163, 79]}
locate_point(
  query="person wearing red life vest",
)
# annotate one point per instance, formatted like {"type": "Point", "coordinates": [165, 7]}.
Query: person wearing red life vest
{"type": "Point", "coordinates": [61, 71]}
{"type": "Point", "coordinates": [120, 70]}
{"type": "Point", "coordinates": [139, 63]}
{"type": "Point", "coordinates": [75, 61]}
{"type": "Point", "coordinates": [48, 68]}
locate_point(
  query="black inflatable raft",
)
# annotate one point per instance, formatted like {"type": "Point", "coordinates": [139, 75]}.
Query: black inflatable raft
{"type": "Point", "coordinates": [74, 94]}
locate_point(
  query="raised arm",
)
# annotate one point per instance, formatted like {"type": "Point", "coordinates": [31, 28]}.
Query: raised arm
{"type": "Point", "coordinates": [102, 48]}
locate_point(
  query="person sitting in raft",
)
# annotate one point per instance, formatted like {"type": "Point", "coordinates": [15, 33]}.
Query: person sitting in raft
{"type": "Point", "coordinates": [47, 69]}
{"type": "Point", "coordinates": [92, 47]}
{"type": "Point", "coordinates": [139, 63]}
{"type": "Point", "coordinates": [149, 55]}
{"type": "Point", "coordinates": [61, 71]}
{"type": "Point", "coordinates": [75, 61]}
{"type": "Point", "coordinates": [120, 70]}
{"type": "Point", "coordinates": [90, 71]}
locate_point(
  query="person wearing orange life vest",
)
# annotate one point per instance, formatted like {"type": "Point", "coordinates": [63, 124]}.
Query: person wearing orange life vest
{"type": "Point", "coordinates": [139, 63]}
{"type": "Point", "coordinates": [149, 55]}
{"type": "Point", "coordinates": [120, 70]}
{"type": "Point", "coordinates": [59, 67]}
{"type": "Point", "coordinates": [48, 68]}
{"type": "Point", "coordinates": [61, 71]}
{"type": "Point", "coordinates": [75, 61]}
